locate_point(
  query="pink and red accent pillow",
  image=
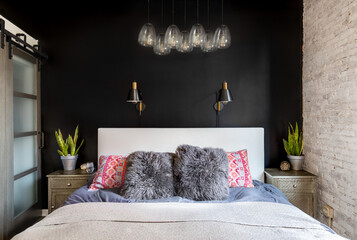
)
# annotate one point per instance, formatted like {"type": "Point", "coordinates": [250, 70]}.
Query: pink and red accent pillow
{"type": "Point", "coordinates": [110, 174]}
{"type": "Point", "coordinates": [239, 173]}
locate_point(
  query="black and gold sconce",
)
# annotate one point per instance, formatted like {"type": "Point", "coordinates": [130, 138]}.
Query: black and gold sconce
{"type": "Point", "coordinates": [135, 97]}
{"type": "Point", "coordinates": [223, 97]}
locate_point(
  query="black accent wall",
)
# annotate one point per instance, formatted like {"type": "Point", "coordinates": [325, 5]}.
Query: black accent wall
{"type": "Point", "coordinates": [94, 56]}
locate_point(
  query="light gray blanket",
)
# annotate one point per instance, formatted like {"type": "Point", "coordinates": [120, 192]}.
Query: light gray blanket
{"type": "Point", "coordinates": [237, 220]}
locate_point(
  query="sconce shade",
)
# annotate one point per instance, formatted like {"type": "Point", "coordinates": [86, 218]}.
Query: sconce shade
{"type": "Point", "coordinates": [225, 95]}
{"type": "Point", "coordinates": [134, 95]}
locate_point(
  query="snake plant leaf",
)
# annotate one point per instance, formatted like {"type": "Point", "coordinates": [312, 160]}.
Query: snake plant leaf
{"type": "Point", "coordinates": [75, 138]}
{"type": "Point", "coordinates": [80, 145]}
{"type": "Point", "coordinates": [59, 142]}
{"type": "Point", "coordinates": [286, 146]}
{"type": "Point", "coordinates": [296, 133]}
{"type": "Point", "coordinates": [72, 146]}
{"type": "Point", "coordinates": [60, 153]}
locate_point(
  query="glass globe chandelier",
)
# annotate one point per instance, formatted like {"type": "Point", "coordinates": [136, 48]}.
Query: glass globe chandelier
{"type": "Point", "coordinates": [147, 35]}
{"type": "Point", "coordinates": [184, 41]}
{"type": "Point", "coordinates": [173, 34]}
{"type": "Point", "coordinates": [197, 33]}
{"type": "Point", "coordinates": [222, 35]}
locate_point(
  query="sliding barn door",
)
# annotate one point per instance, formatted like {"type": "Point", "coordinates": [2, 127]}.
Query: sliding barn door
{"type": "Point", "coordinates": [21, 137]}
{"type": "Point", "coordinates": [27, 139]}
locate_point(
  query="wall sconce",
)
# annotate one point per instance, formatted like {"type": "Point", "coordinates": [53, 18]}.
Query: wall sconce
{"type": "Point", "coordinates": [223, 97]}
{"type": "Point", "coordinates": [135, 97]}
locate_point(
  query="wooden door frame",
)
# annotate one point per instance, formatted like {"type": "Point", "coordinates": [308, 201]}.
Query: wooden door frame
{"type": "Point", "coordinates": [6, 144]}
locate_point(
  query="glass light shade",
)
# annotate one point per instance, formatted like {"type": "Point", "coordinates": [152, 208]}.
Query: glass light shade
{"type": "Point", "coordinates": [147, 35]}
{"type": "Point", "coordinates": [209, 45]}
{"type": "Point", "coordinates": [197, 35]}
{"type": "Point", "coordinates": [160, 48]}
{"type": "Point", "coordinates": [185, 44]}
{"type": "Point", "coordinates": [172, 36]}
{"type": "Point", "coordinates": [222, 37]}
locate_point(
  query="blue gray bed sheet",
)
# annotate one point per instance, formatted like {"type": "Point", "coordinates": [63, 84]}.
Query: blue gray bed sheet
{"type": "Point", "coordinates": [260, 193]}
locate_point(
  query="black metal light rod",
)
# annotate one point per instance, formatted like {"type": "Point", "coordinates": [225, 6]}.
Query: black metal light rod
{"type": "Point", "coordinates": [36, 53]}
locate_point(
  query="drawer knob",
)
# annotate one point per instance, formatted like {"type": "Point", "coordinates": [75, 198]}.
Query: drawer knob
{"type": "Point", "coordinates": [294, 186]}
{"type": "Point", "coordinates": [52, 207]}
{"type": "Point", "coordinates": [69, 184]}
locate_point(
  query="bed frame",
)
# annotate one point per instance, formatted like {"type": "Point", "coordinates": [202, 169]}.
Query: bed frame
{"type": "Point", "coordinates": [123, 141]}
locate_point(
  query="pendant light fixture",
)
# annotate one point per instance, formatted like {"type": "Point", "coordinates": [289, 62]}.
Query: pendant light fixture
{"type": "Point", "coordinates": [172, 35]}
{"type": "Point", "coordinates": [209, 44]}
{"type": "Point", "coordinates": [160, 48]}
{"type": "Point", "coordinates": [185, 44]}
{"type": "Point", "coordinates": [222, 35]}
{"type": "Point", "coordinates": [147, 35]}
{"type": "Point", "coordinates": [197, 33]}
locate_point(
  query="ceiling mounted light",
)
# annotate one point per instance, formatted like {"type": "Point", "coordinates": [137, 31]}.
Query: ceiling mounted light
{"type": "Point", "coordinates": [173, 34]}
{"type": "Point", "coordinates": [197, 33]}
{"type": "Point", "coordinates": [222, 35]}
{"type": "Point", "coordinates": [147, 35]}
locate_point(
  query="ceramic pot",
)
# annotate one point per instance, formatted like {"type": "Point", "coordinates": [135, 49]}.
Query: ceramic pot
{"type": "Point", "coordinates": [69, 162]}
{"type": "Point", "coordinates": [296, 162]}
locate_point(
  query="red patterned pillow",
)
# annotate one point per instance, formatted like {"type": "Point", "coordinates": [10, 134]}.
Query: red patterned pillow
{"type": "Point", "coordinates": [239, 173]}
{"type": "Point", "coordinates": [110, 174]}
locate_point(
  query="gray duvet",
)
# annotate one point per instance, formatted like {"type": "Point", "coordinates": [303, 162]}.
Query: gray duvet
{"type": "Point", "coordinates": [156, 221]}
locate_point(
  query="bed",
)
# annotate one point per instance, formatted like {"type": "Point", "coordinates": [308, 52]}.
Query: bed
{"type": "Point", "coordinates": [261, 212]}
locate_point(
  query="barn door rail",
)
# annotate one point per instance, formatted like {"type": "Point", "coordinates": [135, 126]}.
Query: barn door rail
{"type": "Point", "coordinates": [19, 40]}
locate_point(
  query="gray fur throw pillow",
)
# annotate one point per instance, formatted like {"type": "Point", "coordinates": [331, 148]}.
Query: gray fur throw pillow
{"type": "Point", "coordinates": [148, 176]}
{"type": "Point", "coordinates": [201, 173]}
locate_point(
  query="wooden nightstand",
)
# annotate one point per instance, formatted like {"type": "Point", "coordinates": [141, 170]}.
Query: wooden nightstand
{"type": "Point", "coordinates": [298, 186]}
{"type": "Point", "coordinates": [62, 183]}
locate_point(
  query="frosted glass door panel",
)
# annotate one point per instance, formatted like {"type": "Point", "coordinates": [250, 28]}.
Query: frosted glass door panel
{"type": "Point", "coordinates": [24, 76]}
{"type": "Point", "coordinates": [24, 114]}
{"type": "Point", "coordinates": [25, 149]}
{"type": "Point", "coordinates": [25, 193]}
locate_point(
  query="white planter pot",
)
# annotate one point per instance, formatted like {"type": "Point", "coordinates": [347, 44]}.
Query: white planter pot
{"type": "Point", "coordinates": [296, 162]}
{"type": "Point", "coordinates": [69, 162]}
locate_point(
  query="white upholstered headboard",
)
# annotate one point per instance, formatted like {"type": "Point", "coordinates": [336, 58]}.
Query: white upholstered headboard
{"type": "Point", "coordinates": [123, 141]}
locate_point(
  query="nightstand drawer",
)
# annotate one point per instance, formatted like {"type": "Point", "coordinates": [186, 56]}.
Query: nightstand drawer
{"type": "Point", "coordinates": [68, 183]}
{"type": "Point", "coordinates": [294, 184]}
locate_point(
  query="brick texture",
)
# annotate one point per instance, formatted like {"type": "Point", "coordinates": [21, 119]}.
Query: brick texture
{"type": "Point", "coordinates": [330, 107]}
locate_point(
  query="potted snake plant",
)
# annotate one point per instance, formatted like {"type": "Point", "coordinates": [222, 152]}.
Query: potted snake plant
{"type": "Point", "coordinates": [68, 149]}
{"type": "Point", "coordinates": [294, 146]}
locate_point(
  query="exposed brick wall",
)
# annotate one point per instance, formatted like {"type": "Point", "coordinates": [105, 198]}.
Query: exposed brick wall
{"type": "Point", "coordinates": [330, 106]}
